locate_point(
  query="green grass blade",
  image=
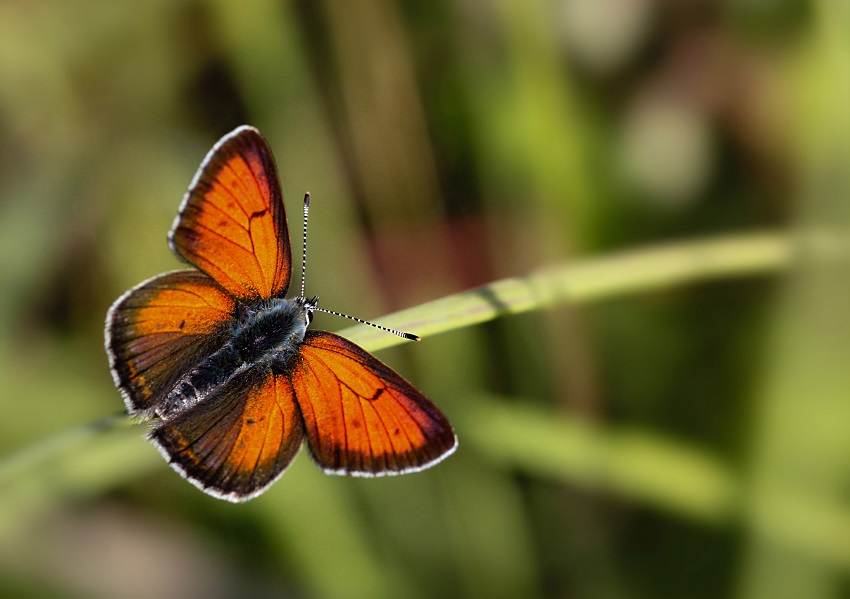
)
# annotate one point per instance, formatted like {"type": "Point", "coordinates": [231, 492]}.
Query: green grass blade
{"type": "Point", "coordinates": [585, 281]}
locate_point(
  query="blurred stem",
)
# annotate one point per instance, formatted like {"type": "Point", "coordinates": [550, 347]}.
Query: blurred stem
{"type": "Point", "coordinates": [629, 462]}
{"type": "Point", "coordinates": [645, 467]}
{"type": "Point", "coordinates": [800, 452]}
{"type": "Point", "coordinates": [89, 459]}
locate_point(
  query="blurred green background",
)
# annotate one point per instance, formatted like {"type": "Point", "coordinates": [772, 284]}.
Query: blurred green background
{"type": "Point", "coordinates": [687, 441]}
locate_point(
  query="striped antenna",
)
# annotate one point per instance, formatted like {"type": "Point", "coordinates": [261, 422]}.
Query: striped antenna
{"type": "Point", "coordinates": [314, 307]}
{"type": "Point", "coordinates": [401, 334]}
{"type": "Point", "coordinates": [304, 242]}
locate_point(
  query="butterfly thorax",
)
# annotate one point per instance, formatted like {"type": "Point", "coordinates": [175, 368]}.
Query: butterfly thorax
{"type": "Point", "coordinates": [262, 332]}
{"type": "Point", "coordinates": [270, 329]}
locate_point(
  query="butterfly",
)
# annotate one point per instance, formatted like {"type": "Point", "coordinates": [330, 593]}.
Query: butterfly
{"type": "Point", "coordinates": [225, 367]}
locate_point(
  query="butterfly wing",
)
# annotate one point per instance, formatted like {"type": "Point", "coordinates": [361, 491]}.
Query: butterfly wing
{"type": "Point", "coordinates": [231, 224]}
{"type": "Point", "coordinates": [160, 330]}
{"type": "Point", "coordinates": [360, 417]}
{"type": "Point", "coordinates": [238, 440]}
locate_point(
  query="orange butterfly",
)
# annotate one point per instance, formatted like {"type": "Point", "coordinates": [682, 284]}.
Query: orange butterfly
{"type": "Point", "coordinates": [227, 366]}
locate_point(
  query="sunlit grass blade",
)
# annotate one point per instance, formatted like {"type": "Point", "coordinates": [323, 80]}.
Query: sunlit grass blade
{"type": "Point", "coordinates": [585, 281]}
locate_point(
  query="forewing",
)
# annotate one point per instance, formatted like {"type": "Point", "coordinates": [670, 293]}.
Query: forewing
{"type": "Point", "coordinates": [231, 224]}
{"type": "Point", "coordinates": [239, 439]}
{"type": "Point", "coordinates": [361, 418]}
{"type": "Point", "coordinates": [160, 330]}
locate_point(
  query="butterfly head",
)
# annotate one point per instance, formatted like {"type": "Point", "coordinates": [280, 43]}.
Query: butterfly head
{"type": "Point", "coordinates": [309, 305]}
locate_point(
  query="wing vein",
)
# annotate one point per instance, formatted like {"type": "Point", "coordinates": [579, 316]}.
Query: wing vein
{"type": "Point", "coordinates": [268, 429]}
{"type": "Point", "coordinates": [272, 215]}
{"type": "Point", "coordinates": [344, 419]}
{"type": "Point", "coordinates": [365, 424]}
{"type": "Point", "coordinates": [202, 259]}
{"type": "Point", "coordinates": [227, 214]}
{"type": "Point", "coordinates": [236, 176]}
{"type": "Point", "coordinates": [259, 193]}
{"type": "Point", "coordinates": [260, 269]}
{"type": "Point", "coordinates": [200, 225]}
{"type": "Point", "coordinates": [413, 446]}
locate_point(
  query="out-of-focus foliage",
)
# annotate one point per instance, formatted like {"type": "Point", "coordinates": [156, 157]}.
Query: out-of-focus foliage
{"type": "Point", "coordinates": [634, 439]}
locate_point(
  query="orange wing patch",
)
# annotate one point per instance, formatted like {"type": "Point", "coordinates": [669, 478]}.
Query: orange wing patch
{"type": "Point", "coordinates": [239, 440]}
{"type": "Point", "coordinates": [232, 224]}
{"type": "Point", "coordinates": [361, 418]}
{"type": "Point", "coordinates": [161, 329]}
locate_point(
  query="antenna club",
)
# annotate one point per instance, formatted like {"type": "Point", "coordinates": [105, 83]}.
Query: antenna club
{"type": "Point", "coordinates": [307, 200]}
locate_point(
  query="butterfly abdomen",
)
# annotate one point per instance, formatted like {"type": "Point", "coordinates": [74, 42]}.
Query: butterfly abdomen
{"type": "Point", "coordinates": [198, 382]}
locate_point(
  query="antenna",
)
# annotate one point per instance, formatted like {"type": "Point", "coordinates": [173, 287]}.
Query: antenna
{"type": "Point", "coordinates": [304, 242]}
{"type": "Point", "coordinates": [315, 307]}
{"type": "Point", "coordinates": [402, 334]}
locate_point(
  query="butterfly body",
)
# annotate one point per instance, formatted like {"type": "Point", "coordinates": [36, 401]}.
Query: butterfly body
{"type": "Point", "coordinates": [262, 335]}
{"type": "Point", "coordinates": [227, 368]}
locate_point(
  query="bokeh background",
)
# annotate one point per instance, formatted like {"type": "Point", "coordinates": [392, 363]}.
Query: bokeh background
{"type": "Point", "coordinates": [692, 441]}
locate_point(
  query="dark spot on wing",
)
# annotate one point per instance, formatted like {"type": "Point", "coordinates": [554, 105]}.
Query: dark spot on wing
{"type": "Point", "coordinates": [377, 394]}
